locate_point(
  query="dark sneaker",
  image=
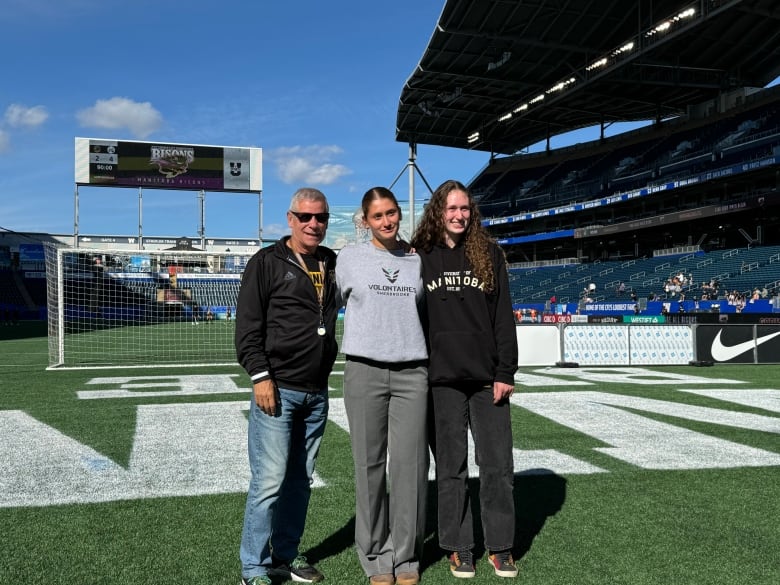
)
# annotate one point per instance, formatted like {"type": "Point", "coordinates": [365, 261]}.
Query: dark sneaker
{"type": "Point", "coordinates": [261, 580]}
{"type": "Point", "coordinates": [298, 570]}
{"type": "Point", "coordinates": [462, 564]}
{"type": "Point", "coordinates": [503, 564]}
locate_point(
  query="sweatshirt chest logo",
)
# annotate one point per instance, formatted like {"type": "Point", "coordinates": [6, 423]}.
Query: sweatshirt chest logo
{"type": "Point", "coordinates": [392, 289]}
{"type": "Point", "coordinates": [454, 281]}
{"type": "Point", "coordinates": [390, 274]}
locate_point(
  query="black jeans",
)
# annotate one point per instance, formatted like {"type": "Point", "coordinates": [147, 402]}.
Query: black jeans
{"type": "Point", "coordinates": [455, 409]}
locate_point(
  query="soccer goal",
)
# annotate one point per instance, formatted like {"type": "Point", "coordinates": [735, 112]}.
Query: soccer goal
{"type": "Point", "coordinates": [115, 308]}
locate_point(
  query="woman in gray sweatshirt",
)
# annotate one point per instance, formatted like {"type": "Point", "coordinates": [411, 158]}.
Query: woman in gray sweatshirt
{"type": "Point", "coordinates": [385, 393]}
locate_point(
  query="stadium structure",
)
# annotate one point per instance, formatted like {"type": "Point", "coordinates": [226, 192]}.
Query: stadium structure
{"type": "Point", "coordinates": [676, 219]}
{"type": "Point", "coordinates": [690, 192]}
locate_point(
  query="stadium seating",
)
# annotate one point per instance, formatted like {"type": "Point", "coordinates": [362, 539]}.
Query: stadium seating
{"type": "Point", "coordinates": [673, 151]}
{"type": "Point", "coordinates": [741, 269]}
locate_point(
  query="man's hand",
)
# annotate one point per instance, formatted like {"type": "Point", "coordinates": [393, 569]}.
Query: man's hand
{"type": "Point", "coordinates": [266, 396]}
{"type": "Point", "coordinates": [502, 391]}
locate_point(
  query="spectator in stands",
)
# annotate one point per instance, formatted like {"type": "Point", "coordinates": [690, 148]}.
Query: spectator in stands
{"type": "Point", "coordinates": [386, 393]}
{"type": "Point", "coordinates": [286, 341]}
{"type": "Point", "coordinates": [473, 358]}
{"type": "Point", "coordinates": [621, 288]}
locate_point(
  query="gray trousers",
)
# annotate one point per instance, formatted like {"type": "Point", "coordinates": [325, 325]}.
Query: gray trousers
{"type": "Point", "coordinates": [386, 407]}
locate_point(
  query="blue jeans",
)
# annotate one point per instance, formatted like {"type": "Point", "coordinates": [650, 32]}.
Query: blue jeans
{"type": "Point", "coordinates": [282, 452]}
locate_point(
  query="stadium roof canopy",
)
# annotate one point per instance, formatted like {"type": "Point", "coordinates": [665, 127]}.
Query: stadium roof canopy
{"type": "Point", "coordinates": [501, 75]}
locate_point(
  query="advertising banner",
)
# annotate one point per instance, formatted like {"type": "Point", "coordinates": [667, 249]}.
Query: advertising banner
{"type": "Point", "coordinates": [732, 344]}
{"type": "Point", "coordinates": [665, 345]}
{"type": "Point", "coordinates": [767, 344]}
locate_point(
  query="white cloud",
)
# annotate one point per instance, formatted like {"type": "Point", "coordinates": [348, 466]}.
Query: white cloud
{"type": "Point", "coordinates": [309, 165]}
{"type": "Point", "coordinates": [141, 119]}
{"type": "Point", "coordinates": [5, 141]}
{"type": "Point", "coordinates": [17, 115]}
{"type": "Point", "coordinates": [275, 231]}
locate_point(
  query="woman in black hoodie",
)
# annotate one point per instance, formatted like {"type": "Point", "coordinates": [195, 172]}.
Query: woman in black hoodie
{"type": "Point", "coordinates": [473, 358]}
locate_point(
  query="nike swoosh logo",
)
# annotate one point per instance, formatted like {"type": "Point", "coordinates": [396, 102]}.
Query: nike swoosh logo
{"type": "Point", "coordinates": [724, 353]}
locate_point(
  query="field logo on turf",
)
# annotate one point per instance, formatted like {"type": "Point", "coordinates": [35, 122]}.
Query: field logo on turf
{"type": "Point", "coordinates": [195, 447]}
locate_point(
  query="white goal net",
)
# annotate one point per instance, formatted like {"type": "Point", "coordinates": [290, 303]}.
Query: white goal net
{"type": "Point", "coordinates": [115, 308]}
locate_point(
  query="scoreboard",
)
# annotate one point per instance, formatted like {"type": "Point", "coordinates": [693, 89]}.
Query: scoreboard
{"type": "Point", "coordinates": [157, 165]}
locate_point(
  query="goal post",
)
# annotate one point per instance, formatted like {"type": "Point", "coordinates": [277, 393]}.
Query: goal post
{"type": "Point", "coordinates": [117, 308]}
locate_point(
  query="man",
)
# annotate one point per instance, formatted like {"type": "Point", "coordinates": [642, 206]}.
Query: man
{"type": "Point", "coordinates": [286, 341]}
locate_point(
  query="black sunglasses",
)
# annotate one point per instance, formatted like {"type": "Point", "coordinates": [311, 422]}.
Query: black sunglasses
{"type": "Point", "coordinates": [306, 217]}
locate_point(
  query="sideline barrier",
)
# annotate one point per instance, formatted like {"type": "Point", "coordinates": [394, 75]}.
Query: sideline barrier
{"type": "Point", "coordinates": [640, 344]}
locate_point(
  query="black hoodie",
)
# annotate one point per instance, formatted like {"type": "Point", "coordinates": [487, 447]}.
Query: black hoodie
{"type": "Point", "coordinates": [471, 333]}
{"type": "Point", "coordinates": [277, 318]}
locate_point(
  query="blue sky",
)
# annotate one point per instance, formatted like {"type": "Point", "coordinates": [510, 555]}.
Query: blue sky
{"type": "Point", "coordinates": [315, 84]}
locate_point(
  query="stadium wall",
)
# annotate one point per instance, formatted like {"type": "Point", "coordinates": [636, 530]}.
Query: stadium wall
{"type": "Point", "coordinates": [638, 344]}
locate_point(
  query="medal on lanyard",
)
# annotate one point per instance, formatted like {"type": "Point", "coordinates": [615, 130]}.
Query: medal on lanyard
{"type": "Point", "coordinates": [320, 292]}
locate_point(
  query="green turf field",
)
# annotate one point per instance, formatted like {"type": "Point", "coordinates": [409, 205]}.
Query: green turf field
{"type": "Point", "coordinates": [632, 476]}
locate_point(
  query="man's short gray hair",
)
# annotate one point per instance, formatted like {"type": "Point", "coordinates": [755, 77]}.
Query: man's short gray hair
{"type": "Point", "coordinates": [307, 194]}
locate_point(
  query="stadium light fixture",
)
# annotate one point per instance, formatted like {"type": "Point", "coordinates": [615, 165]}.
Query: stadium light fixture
{"type": "Point", "coordinates": [613, 57]}
{"type": "Point", "coordinates": [623, 49]}
{"type": "Point", "coordinates": [561, 85]}
{"type": "Point", "coordinates": [667, 24]}
{"type": "Point", "coordinates": [596, 64]}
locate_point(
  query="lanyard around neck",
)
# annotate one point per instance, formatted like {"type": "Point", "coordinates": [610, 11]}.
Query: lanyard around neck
{"type": "Point", "coordinates": [320, 290]}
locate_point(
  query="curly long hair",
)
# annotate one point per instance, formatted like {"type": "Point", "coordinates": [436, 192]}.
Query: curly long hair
{"type": "Point", "coordinates": [476, 240]}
